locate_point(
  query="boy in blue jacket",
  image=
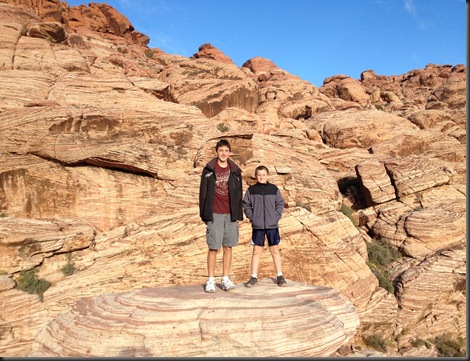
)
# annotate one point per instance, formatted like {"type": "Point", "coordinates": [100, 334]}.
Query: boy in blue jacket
{"type": "Point", "coordinates": [263, 206]}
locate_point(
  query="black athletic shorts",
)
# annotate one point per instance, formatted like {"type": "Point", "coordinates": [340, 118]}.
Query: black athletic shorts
{"type": "Point", "coordinates": [259, 235]}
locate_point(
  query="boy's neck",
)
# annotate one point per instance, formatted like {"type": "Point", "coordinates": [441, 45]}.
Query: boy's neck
{"type": "Point", "coordinates": [222, 164]}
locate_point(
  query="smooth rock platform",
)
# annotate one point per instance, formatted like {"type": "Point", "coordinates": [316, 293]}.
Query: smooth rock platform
{"type": "Point", "coordinates": [265, 320]}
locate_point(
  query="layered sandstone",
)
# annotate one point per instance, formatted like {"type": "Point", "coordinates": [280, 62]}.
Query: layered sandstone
{"type": "Point", "coordinates": [180, 321]}
{"type": "Point", "coordinates": [103, 141]}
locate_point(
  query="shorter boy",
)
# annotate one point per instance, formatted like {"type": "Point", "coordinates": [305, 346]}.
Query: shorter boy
{"type": "Point", "coordinates": [263, 206]}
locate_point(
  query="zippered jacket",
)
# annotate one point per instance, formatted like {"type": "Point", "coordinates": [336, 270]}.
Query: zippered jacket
{"type": "Point", "coordinates": [263, 205]}
{"type": "Point", "coordinates": [207, 192]}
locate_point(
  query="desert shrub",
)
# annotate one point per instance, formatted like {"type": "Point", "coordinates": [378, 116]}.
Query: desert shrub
{"type": "Point", "coordinates": [29, 281]}
{"type": "Point", "coordinates": [377, 342]}
{"type": "Point", "coordinates": [380, 255]}
{"type": "Point", "coordinates": [461, 285]}
{"type": "Point", "coordinates": [149, 54]}
{"type": "Point", "coordinates": [223, 127]}
{"type": "Point", "coordinates": [447, 346]}
{"type": "Point", "coordinates": [302, 204]}
{"type": "Point", "coordinates": [384, 279]}
{"type": "Point", "coordinates": [348, 211]}
{"type": "Point", "coordinates": [30, 245]}
{"type": "Point", "coordinates": [69, 269]}
{"type": "Point", "coordinates": [417, 342]}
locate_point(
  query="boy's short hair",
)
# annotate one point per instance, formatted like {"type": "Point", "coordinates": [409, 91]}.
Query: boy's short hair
{"type": "Point", "coordinates": [261, 167]}
{"type": "Point", "coordinates": [223, 143]}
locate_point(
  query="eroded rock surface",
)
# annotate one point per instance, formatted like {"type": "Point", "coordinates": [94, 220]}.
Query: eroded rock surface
{"type": "Point", "coordinates": [103, 140]}
{"type": "Point", "coordinates": [184, 321]}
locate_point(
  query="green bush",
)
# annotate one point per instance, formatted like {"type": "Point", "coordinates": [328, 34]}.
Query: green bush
{"type": "Point", "coordinates": [420, 342]}
{"type": "Point", "coordinates": [380, 255]}
{"type": "Point", "coordinates": [148, 54]}
{"type": "Point", "coordinates": [28, 281]}
{"type": "Point", "coordinates": [223, 128]}
{"type": "Point", "coordinates": [30, 245]}
{"type": "Point", "coordinates": [447, 346]}
{"type": "Point", "coordinates": [377, 342]}
{"type": "Point", "coordinates": [384, 279]}
{"type": "Point", "coordinates": [69, 269]}
{"type": "Point", "coordinates": [348, 211]}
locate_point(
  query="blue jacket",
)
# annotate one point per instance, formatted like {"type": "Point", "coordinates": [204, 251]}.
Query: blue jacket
{"type": "Point", "coordinates": [263, 205]}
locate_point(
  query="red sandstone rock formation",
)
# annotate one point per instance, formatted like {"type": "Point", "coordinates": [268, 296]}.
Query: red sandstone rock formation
{"type": "Point", "coordinates": [102, 142]}
{"type": "Point", "coordinates": [96, 17]}
{"type": "Point", "coordinates": [207, 51]}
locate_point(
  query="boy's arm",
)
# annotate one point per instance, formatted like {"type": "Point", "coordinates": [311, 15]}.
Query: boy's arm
{"type": "Point", "coordinates": [247, 205]}
{"type": "Point", "coordinates": [279, 203]}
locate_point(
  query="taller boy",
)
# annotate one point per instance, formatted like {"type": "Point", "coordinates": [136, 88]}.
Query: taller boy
{"type": "Point", "coordinates": [220, 208]}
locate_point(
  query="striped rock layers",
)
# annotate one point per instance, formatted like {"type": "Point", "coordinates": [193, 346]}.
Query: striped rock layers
{"type": "Point", "coordinates": [267, 320]}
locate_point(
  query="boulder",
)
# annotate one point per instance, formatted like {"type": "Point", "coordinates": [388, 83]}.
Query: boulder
{"type": "Point", "coordinates": [183, 321]}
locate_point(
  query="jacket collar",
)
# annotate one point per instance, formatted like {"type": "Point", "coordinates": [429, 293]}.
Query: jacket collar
{"type": "Point", "coordinates": [233, 166]}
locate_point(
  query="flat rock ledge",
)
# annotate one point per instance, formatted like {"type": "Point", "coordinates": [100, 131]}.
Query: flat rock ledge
{"type": "Point", "coordinates": [265, 320]}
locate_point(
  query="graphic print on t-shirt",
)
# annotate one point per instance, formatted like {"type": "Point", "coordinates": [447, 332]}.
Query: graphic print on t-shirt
{"type": "Point", "coordinates": [221, 201]}
{"type": "Point", "coordinates": [221, 183]}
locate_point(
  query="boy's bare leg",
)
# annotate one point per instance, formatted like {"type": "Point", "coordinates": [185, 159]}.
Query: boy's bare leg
{"type": "Point", "coordinates": [275, 252]}
{"type": "Point", "coordinates": [227, 260]}
{"type": "Point", "coordinates": [257, 250]}
{"type": "Point", "coordinates": [211, 261]}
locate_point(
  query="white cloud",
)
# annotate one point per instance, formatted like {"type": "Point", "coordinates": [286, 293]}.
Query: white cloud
{"type": "Point", "coordinates": [410, 7]}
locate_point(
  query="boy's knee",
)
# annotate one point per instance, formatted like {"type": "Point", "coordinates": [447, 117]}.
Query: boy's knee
{"type": "Point", "coordinates": [257, 250]}
{"type": "Point", "coordinates": [274, 250]}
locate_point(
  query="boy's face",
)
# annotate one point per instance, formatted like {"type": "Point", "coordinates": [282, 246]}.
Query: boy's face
{"type": "Point", "coordinates": [223, 153]}
{"type": "Point", "coordinates": [262, 176]}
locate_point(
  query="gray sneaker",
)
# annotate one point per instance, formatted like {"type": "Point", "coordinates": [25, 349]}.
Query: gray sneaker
{"type": "Point", "coordinates": [253, 281]}
{"type": "Point", "coordinates": [227, 285]}
{"type": "Point", "coordinates": [280, 281]}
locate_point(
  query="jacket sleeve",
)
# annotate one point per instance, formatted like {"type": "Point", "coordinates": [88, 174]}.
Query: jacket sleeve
{"type": "Point", "coordinates": [202, 194]}
{"type": "Point", "coordinates": [247, 205]}
{"type": "Point", "coordinates": [240, 204]}
{"type": "Point", "coordinates": [279, 204]}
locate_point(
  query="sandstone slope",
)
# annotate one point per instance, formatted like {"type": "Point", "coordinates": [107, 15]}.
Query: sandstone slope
{"type": "Point", "coordinates": [103, 140]}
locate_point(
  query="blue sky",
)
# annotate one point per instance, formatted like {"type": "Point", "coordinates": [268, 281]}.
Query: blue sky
{"type": "Point", "coordinates": [313, 39]}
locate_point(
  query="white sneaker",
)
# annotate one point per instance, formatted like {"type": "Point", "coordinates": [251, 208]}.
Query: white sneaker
{"type": "Point", "coordinates": [227, 284]}
{"type": "Point", "coordinates": [210, 286]}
